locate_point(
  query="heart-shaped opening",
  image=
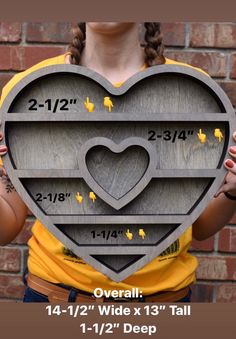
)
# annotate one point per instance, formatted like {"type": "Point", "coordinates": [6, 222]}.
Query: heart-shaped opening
{"type": "Point", "coordinates": [117, 173]}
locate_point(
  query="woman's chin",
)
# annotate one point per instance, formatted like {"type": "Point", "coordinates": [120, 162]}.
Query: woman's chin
{"type": "Point", "coordinates": [110, 27]}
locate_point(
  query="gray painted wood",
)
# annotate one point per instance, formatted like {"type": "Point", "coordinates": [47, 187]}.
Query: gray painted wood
{"type": "Point", "coordinates": [57, 160]}
{"type": "Point", "coordinates": [152, 200]}
{"type": "Point", "coordinates": [65, 141]}
{"type": "Point", "coordinates": [107, 234]}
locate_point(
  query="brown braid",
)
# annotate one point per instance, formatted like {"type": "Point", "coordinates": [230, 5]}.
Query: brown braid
{"type": "Point", "coordinates": [154, 47]}
{"type": "Point", "coordinates": [78, 43]}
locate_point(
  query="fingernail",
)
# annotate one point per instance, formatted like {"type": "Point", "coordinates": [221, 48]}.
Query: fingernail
{"type": "Point", "coordinates": [234, 135]}
{"type": "Point", "coordinates": [3, 148]}
{"type": "Point", "coordinates": [229, 163]}
{"type": "Point", "coordinates": [232, 150]}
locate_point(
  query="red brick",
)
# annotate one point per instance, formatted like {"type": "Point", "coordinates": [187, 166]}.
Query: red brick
{"type": "Point", "coordinates": [10, 259]}
{"type": "Point", "coordinates": [25, 57]}
{"type": "Point", "coordinates": [230, 89]}
{"type": "Point", "coordinates": [11, 286]}
{"type": "Point", "coordinates": [214, 63]}
{"type": "Point", "coordinates": [222, 35]}
{"type": "Point", "coordinates": [206, 245]}
{"type": "Point", "coordinates": [5, 59]}
{"type": "Point", "coordinates": [202, 292]}
{"type": "Point", "coordinates": [226, 293]}
{"type": "Point", "coordinates": [173, 34]}
{"type": "Point", "coordinates": [233, 66]}
{"type": "Point", "coordinates": [49, 32]}
{"type": "Point", "coordinates": [10, 32]}
{"type": "Point", "coordinates": [25, 234]}
{"type": "Point", "coordinates": [21, 57]}
{"type": "Point", "coordinates": [25, 259]}
{"type": "Point", "coordinates": [4, 78]}
{"type": "Point", "coordinates": [216, 268]}
{"type": "Point", "coordinates": [227, 240]}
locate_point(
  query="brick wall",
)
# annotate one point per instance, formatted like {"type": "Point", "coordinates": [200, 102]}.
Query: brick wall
{"type": "Point", "coordinates": [211, 46]}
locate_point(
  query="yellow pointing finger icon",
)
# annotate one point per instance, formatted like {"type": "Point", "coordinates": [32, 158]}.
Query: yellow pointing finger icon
{"type": "Point", "coordinates": [218, 134]}
{"type": "Point", "coordinates": [92, 196]}
{"type": "Point", "coordinates": [201, 136]}
{"type": "Point", "coordinates": [89, 105]}
{"type": "Point", "coordinates": [129, 235]}
{"type": "Point", "coordinates": [141, 233]}
{"type": "Point", "coordinates": [108, 103]}
{"type": "Point", "coordinates": [79, 198]}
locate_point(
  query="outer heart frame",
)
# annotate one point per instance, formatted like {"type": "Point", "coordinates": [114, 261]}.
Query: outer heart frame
{"type": "Point", "coordinates": [147, 253]}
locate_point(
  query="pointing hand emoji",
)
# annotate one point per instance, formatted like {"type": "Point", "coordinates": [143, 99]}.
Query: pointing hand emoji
{"type": "Point", "coordinates": [79, 198]}
{"type": "Point", "coordinates": [201, 136]}
{"type": "Point", "coordinates": [218, 134]}
{"type": "Point", "coordinates": [92, 196]}
{"type": "Point", "coordinates": [129, 235]}
{"type": "Point", "coordinates": [89, 105]}
{"type": "Point", "coordinates": [141, 233]}
{"type": "Point", "coordinates": [108, 103]}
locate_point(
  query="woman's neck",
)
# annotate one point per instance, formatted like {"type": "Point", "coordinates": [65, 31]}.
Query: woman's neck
{"type": "Point", "coordinates": [115, 56]}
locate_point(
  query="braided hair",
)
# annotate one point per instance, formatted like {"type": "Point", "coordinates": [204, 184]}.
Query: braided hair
{"type": "Point", "coordinates": [78, 42]}
{"type": "Point", "coordinates": [153, 45]}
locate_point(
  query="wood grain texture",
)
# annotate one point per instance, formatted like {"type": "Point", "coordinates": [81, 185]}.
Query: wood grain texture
{"type": "Point", "coordinates": [167, 100]}
{"type": "Point", "coordinates": [165, 94]}
{"type": "Point", "coordinates": [114, 235]}
{"type": "Point", "coordinates": [65, 141]}
{"type": "Point", "coordinates": [181, 195]}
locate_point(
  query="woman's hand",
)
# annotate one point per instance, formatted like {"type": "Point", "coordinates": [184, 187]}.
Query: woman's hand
{"type": "Point", "coordinates": [221, 209]}
{"type": "Point", "coordinates": [229, 184]}
{"type": "Point", "coordinates": [13, 211]}
{"type": "Point", "coordinates": [3, 151]}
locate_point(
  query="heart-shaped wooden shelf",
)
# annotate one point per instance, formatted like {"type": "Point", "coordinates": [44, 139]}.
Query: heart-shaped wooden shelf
{"type": "Point", "coordinates": [143, 161]}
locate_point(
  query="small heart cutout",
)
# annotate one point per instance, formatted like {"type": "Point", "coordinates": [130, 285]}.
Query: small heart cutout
{"type": "Point", "coordinates": [117, 173]}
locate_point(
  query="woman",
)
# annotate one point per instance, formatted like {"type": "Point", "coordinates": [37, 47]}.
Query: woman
{"type": "Point", "coordinates": [114, 51]}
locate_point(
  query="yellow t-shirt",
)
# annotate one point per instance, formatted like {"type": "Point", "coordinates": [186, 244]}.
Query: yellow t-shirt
{"type": "Point", "coordinates": [50, 260]}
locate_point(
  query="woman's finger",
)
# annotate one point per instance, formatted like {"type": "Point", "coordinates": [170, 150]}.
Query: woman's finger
{"type": "Point", "coordinates": [230, 165]}
{"type": "Point", "coordinates": [234, 136]}
{"type": "Point", "coordinates": [232, 152]}
{"type": "Point", "coordinates": [225, 188]}
{"type": "Point", "coordinates": [3, 150]}
{"type": "Point", "coordinates": [2, 171]}
{"type": "Point", "coordinates": [1, 134]}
